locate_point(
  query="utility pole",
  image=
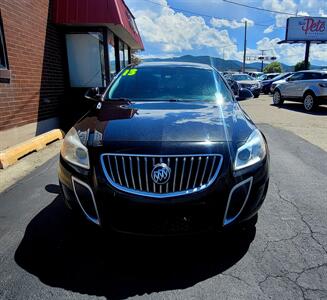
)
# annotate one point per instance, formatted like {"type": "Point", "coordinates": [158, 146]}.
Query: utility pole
{"type": "Point", "coordinates": [306, 57]}
{"type": "Point", "coordinates": [262, 53]}
{"type": "Point", "coordinates": [244, 53]}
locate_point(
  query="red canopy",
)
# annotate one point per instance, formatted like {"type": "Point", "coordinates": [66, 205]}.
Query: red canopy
{"type": "Point", "coordinates": [111, 13]}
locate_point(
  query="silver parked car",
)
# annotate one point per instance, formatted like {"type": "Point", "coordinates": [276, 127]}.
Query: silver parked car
{"type": "Point", "coordinates": [309, 87]}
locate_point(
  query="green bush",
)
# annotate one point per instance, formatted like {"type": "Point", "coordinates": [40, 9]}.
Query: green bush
{"type": "Point", "coordinates": [274, 67]}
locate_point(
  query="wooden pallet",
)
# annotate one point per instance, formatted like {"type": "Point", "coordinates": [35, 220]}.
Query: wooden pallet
{"type": "Point", "coordinates": [12, 154]}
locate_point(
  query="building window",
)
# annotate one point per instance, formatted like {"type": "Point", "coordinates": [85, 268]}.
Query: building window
{"type": "Point", "coordinates": [126, 55]}
{"type": "Point", "coordinates": [3, 52]}
{"type": "Point", "coordinates": [85, 59]}
{"type": "Point", "coordinates": [111, 53]}
{"type": "Point", "coordinates": [121, 54]}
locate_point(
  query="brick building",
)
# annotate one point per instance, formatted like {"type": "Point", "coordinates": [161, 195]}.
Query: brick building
{"type": "Point", "coordinates": [51, 51]}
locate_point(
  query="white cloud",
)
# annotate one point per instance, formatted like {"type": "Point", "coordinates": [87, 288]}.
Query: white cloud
{"type": "Point", "coordinates": [230, 23]}
{"type": "Point", "coordinates": [175, 32]}
{"type": "Point", "coordinates": [269, 29]}
{"type": "Point", "coordinates": [322, 13]}
{"type": "Point", "coordinates": [287, 6]}
{"type": "Point", "coordinates": [172, 32]}
{"type": "Point", "coordinates": [292, 53]}
{"type": "Point", "coordinates": [303, 8]}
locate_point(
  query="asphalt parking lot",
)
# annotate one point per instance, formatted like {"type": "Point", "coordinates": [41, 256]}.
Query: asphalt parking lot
{"type": "Point", "coordinates": [45, 253]}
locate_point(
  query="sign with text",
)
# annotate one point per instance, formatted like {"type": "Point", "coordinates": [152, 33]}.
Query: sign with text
{"type": "Point", "coordinates": [306, 29]}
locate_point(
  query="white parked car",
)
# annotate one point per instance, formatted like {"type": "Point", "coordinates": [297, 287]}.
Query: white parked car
{"type": "Point", "coordinates": [309, 87]}
{"type": "Point", "coordinates": [277, 82]}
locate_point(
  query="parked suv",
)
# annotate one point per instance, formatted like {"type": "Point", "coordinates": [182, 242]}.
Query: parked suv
{"type": "Point", "coordinates": [245, 81]}
{"type": "Point", "coordinates": [309, 87]}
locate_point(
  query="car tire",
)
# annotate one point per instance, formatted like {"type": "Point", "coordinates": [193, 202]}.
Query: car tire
{"type": "Point", "coordinates": [309, 102]}
{"type": "Point", "coordinates": [256, 96]}
{"type": "Point", "coordinates": [277, 98]}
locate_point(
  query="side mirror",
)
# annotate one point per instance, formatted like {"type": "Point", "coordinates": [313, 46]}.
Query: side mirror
{"type": "Point", "coordinates": [244, 94]}
{"type": "Point", "coordinates": [288, 79]}
{"type": "Point", "coordinates": [94, 94]}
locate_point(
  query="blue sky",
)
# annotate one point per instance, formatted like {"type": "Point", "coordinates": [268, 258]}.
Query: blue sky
{"type": "Point", "coordinates": [217, 28]}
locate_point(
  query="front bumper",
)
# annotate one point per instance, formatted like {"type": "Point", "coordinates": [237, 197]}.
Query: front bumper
{"type": "Point", "coordinates": [227, 202]}
{"type": "Point", "coordinates": [322, 100]}
{"type": "Point", "coordinates": [255, 91]}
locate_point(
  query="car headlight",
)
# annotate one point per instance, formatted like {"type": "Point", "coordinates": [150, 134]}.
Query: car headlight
{"type": "Point", "coordinates": [74, 151]}
{"type": "Point", "coordinates": [253, 151]}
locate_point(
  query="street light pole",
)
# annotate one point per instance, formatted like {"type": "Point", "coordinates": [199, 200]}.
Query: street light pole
{"type": "Point", "coordinates": [244, 51]}
{"type": "Point", "coordinates": [306, 57]}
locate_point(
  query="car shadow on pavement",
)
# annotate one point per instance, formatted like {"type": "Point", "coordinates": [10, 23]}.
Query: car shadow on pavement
{"type": "Point", "coordinates": [62, 251]}
{"type": "Point", "coordinates": [298, 107]}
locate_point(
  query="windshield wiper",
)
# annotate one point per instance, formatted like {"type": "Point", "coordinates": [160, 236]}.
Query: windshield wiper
{"type": "Point", "coordinates": [119, 99]}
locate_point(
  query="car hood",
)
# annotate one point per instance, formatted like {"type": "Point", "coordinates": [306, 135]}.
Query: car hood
{"type": "Point", "coordinates": [264, 82]}
{"type": "Point", "coordinates": [279, 81]}
{"type": "Point", "coordinates": [166, 122]}
{"type": "Point", "coordinates": [247, 81]}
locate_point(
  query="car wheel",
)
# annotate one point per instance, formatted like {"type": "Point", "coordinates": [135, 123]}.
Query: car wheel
{"type": "Point", "coordinates": [309, 102]}
{"type": "Point", "coordinates": [256, 96]}
{"type": "Point", "coordinates": [277, 98]}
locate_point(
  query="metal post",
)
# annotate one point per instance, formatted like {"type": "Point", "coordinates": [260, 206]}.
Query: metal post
{"type": "Point", "coordinates": [262, 52]}
{"type": "Point", "coordinates": [106, 56]}
{"type": "Point", "coordinates": [307, 52]}
{"type": "Point", "coordinates": [244, 53]}
{"type": "Point", "coordinates": [117, 58]}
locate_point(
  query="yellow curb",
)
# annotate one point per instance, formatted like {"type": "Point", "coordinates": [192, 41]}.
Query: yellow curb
{"type": "Point", "coordinates": [12, 154]}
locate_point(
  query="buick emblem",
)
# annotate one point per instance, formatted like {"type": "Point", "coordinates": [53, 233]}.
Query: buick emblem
{"type": "Point", "coordinates": [160, 173]}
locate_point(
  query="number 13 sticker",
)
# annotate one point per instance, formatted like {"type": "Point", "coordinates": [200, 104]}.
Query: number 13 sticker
{"type": "Point", "coordinates": [130, 72]}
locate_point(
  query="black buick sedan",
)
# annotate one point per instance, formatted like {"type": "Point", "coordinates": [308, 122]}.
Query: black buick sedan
{"type": "Point", "coordinates": [166, 150]}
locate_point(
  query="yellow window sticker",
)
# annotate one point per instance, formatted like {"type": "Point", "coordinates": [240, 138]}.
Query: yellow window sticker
{"type": "Point", "coordinates": [130, 72]}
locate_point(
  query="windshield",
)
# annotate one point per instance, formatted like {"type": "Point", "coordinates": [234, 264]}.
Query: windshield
{"type": "Point", "coordinates": [242, 77]}
{"type": "Point", "coordinates": [179, 83]}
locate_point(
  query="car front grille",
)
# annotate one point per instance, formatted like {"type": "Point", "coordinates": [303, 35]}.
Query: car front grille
{"type": "Point", "coordinates": [247, 85]}
{"type": "Point", "coordinates": [134, 173]}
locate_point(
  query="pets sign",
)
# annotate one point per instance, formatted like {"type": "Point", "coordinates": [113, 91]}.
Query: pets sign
{"type": "Point", "coordinates": [306, 29]}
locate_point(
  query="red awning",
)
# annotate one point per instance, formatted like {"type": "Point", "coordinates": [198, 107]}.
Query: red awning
{"type": "Point", "coordinates": [111, 13]}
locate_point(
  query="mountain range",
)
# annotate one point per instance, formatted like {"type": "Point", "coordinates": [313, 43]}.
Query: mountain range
{"type": "Point", "coordinates": [222, 64]}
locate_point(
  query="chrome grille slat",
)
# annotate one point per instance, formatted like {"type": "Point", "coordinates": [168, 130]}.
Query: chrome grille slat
{"type": "Point", "coordinates": [110, 168]}
{"type": "Point", "coordinates": [124, 170]}
{"type": "Point", "coordinates": [132, 173]}
{"type": "Point", "coordinates": [213, 163]}
{"type": "Point", "coordinates": [189, 173]}
{"type": "Point", "coordinates": [139, 172]}
{"type": "Point", "coordinates": [131, 169]}
{"type": "Point", "coordinates": [184, 161]}
{"type": "Point", "coordinates": [153, 164]}
{"type": "Point", "coordinates": [146, 173]}
{"type": "Point", "coordinates": [197, 171]}
{"type": "Point", "coordinates": [204, 170]}
{"type": "Point", "coordinates": [175, 172]}
{"type": "Point", "coordinates": [167, 184]}
{"type": "Point", "coordinates": [117, 170]}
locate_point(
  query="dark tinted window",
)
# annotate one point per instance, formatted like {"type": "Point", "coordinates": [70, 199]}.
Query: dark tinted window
{"type": "Point", "coordinates": [3, 53]}
{"type": "Point", "coordinates": [313, 75]}
{"type": "Point", "coordinates": [169, 83]}
{"type": "Point", "coordinates": [297, 76]}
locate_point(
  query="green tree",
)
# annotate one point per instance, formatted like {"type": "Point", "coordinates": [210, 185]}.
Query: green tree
{"type": "Point", "coordinates": [300, 66]}
{"type": "Point", "coordinates": [134, 58]}
{"type": "Point", "coordinates": [274, 67]}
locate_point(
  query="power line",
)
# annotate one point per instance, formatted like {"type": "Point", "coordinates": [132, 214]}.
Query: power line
{"type": "Point", "coordinates": [202, 15]}
{"type": "Point", "coordinates": [259, 8]}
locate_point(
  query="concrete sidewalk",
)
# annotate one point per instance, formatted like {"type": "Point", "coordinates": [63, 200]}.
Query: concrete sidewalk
{"type": "Point", "coordinates": [9, 176]}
